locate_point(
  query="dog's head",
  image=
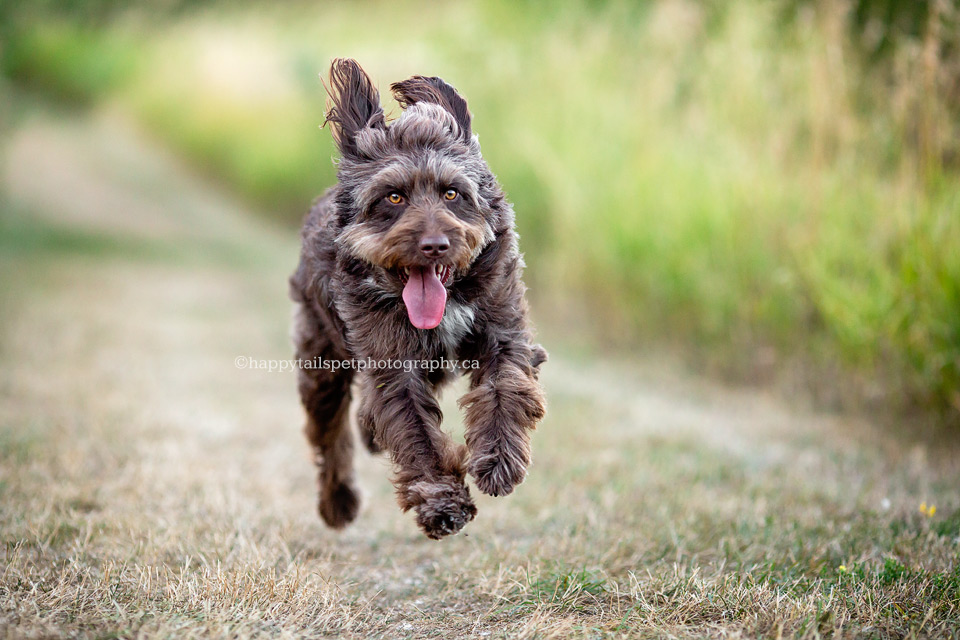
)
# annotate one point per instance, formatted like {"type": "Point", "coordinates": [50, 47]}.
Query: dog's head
{"type": "Point", "coordinates": [417, 202]}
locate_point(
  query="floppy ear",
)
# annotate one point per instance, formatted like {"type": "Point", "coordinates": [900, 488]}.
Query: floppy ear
{"type": "Point", "coordinates": [354, 104]}
{"type": "Point", "coordinates": [433, 89]}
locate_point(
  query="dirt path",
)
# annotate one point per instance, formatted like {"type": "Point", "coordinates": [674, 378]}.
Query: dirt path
{"type": "Point", "coordinates": [150, 486]}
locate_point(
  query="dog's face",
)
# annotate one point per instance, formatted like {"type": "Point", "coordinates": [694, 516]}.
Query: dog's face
{"type": "Point", "coordinates": [415, 197]}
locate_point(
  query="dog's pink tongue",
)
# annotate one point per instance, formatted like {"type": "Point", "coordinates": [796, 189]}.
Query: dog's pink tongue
{"type": "Point", "coordinates": [425, 297]}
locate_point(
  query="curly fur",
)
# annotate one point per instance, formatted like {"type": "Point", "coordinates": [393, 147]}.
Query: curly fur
{"type": "Point", "coordinates": [348, 289]}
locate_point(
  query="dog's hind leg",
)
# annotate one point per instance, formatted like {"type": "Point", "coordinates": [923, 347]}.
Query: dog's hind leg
{"type": "Point", "coordinates": [326, 398]}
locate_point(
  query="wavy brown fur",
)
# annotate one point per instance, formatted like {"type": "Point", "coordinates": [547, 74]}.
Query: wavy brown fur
{"type": "Point", "coordinates": [348, 292]}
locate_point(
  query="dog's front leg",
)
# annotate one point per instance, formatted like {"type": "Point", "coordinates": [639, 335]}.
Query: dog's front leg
{"type": "Point", "coordinates": [504, 404]}
{"type": "Point", "coordinates": [404, 418]}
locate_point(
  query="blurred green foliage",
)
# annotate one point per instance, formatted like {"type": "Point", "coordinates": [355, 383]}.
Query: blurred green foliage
{"type": "Point", "coordinates": [706, 174]}
{"type": "Point", "coordinates": [75, 65]}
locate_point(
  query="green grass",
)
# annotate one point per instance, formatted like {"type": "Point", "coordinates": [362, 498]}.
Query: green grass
{"type": "Point", "coordinates": [729, 182]}
{"type": "Point", "coordinates": [561, 589]}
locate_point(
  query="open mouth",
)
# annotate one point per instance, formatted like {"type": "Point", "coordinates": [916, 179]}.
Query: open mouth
{"type": "Point", "coordinates": [424, 294]}
{"type": "Point", "coordinates": [442, 272]}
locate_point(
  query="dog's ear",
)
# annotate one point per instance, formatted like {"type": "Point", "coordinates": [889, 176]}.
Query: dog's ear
{"type": "Point", "coordinates": [433, 89]}
{"type": "Point", "coordinates": [354, 104]}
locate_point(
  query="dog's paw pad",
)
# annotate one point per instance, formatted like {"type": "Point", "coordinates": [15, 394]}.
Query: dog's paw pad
{"type": "Point", "coordinates": [341, 506]}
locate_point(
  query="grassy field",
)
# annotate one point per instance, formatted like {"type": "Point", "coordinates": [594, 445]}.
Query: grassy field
{"type": "Point", "coordinates": [733, 178]}
{"type": "Point", "coordinates": [149, 488]}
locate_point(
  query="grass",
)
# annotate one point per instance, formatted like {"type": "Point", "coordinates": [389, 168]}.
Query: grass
{"type": "Point", "coordinates": [150, 489]}
{"type": "Point", "coordinates": [732, 183]}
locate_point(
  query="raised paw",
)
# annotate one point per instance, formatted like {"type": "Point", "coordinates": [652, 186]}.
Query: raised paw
{"type": "Point", "coordinates": [443, 506]}
{"type": "Point", "coordinates": [340, 505]}
{"type": "Point", "coordinates": [497, 473]}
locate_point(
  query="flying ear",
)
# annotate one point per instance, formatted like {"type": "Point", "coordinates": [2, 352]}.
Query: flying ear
{"type": "Point", "coordinates": [354, 104]}
{"type": "Point", "coordinates": [433, 89]}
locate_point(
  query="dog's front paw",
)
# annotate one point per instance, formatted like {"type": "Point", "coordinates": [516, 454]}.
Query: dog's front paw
{"type": "Point", "coordinates": [339, 505]}
{"type": "Point", "coordinates": [443, 506]}
{"type": "Point", "coordinates": [497, 473]}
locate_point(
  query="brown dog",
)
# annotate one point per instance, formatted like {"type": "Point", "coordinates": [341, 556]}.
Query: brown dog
{"type": "Point", "coordinates": [409, 259]}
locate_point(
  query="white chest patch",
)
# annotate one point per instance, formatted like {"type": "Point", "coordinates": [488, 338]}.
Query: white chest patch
{"type": "Point", "coordinates": [457, 321]}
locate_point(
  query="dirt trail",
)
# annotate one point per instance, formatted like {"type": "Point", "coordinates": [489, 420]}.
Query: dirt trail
{"type": "Point", "coordinates": [122, 391]}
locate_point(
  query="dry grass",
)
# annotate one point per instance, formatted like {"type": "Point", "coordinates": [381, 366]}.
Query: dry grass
{"type": "Point", "coordinates": [149, 488]}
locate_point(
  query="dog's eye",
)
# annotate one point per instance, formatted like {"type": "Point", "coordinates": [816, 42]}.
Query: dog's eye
{"type": "Point", "coordinates": [451, 194]}
{"type": "Point", "coordinates": [394, 198]}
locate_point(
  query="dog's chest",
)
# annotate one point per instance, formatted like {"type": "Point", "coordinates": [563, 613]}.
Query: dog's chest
{"type": "Point", "coordinates": [457, 322]}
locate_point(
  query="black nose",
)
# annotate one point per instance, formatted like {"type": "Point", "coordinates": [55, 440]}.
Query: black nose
{"type": "Point", "coordinates": [434, 246]}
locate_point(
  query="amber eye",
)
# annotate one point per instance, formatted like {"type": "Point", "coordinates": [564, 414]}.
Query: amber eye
{"type": "Point", "coordinates": [451, 194]}
{"type": "Point", "coordinates": [394, 198]}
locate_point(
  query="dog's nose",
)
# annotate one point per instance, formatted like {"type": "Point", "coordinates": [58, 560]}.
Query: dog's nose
{"type": "Point", "coordinates": [434, 246]}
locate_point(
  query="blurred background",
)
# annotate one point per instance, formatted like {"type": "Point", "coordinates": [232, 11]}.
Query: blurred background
{"type": "Point", "coordinates": [766, 190]}
{"type": "Point", "coordinates": [761, 193]}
